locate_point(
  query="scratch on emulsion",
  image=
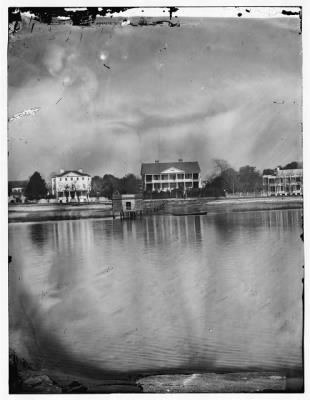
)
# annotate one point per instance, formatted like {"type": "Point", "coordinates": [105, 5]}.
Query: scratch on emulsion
{"type": "Point", "coordinates": [25, 113]}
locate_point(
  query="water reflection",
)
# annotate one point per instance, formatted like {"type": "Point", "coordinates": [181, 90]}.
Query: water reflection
{"type": "Point", "coordinates": [162, 292]}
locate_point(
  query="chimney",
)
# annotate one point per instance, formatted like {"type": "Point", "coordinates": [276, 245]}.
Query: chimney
{"type": "Point", "coordinates": [80, 170]}
{"type": "Point", "coordinates": [156, 161]}
{"type": "Point", "coordinates": [180, 160]}
{"type": "Point", "coordinates": [61, 171]}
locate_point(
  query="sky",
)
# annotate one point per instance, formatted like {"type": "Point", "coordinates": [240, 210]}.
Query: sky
{"type": "Point", "coordinates": [112, 97]}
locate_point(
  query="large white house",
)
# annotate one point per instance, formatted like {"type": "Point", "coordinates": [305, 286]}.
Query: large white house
{"type": "Point", "coordinates": [164, 176]}
{"type": "Point", "coordinates": [71, 186]}
{"type": "Point", "coordinates": [284, 182]}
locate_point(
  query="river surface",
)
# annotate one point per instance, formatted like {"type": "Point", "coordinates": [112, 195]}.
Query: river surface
{"type": "Point", "coordinates": [212, 293]}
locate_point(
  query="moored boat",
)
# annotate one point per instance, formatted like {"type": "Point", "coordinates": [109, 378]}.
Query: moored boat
{"type": "Point", "coordinates": [179, 213]}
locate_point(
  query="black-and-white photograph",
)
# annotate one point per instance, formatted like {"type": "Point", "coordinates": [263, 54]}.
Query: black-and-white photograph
{"type": "Point", "coordinates": [155, 199]}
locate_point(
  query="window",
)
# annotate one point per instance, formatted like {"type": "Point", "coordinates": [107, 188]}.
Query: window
{"type": "Point", "coordinates": [173, 185]}
{"type": "Point", "coordinates": [72, 179]}
{"type": "Point", "coordinates": [156, 186]}
{"type": "Point", "coordinates": [180, 176]}
{"type": "Point", "coordinates": [164, 177]}
{"type": "Point", "coordinates": [77, 178]}
{"type": "Point", "coordinates": [128, 205]}
{"type": "Point", "coordinates": [188, 184]}
{"type": "Point", "coordinates": [83, 178]}
{"type": "Point", "coordinates": [188, 176]}
{"type": "Point", "coordinates": [156, 177]}
{"type": "Point", "coordinates": [65, 179]}
{"type": "Point", "coordinates": [165, 185]}
{"type": "Point", "coordinates": [59, 179]}
{"type": "Point", "coordinates": [172, 176]}
{"type": "Point", "coordinates": [195, 176]}
{"type": "Point", "coordinates": [148, 178]}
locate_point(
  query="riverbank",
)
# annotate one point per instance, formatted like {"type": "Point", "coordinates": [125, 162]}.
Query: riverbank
{"type": "Point", "coordinates": [26, 380]}
{"type": "Point", "coordinates": [56, 212]}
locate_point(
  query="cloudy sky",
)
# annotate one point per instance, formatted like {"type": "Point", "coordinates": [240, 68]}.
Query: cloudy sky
{"type": "Point", "coordinates": [111, 97]}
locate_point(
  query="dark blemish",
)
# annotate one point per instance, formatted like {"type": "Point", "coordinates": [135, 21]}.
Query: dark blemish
{"type": "Point", "coordinates": [81, 37]}
{"type": "Point", "coordinates": [67, 39]}
{"type": "Point", "coordinates": [50, 28]}
{"type": "Point", "coordinates": [239, 14]}
{"type": "Point", "coordinates": [58, 100]}
{"type": "Point", "coordinates": [247, 10]}
{"type": "Point", "coordinates": [105, 65]}
{"type": "Point", "coordinates": [278, 102]}
{"type": "Point", "coordinates": [32, 27]}
{"type": "Point", "coordinates": [10, 259]}
{"type": "Point", "coordinates": [285, 12]}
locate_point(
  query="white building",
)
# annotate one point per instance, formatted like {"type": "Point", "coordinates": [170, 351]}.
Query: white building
{"type": "Point", "coordinates": [182, 175]}
{"type": "Point", "coordinates": [71, 186]}
{"type": "Point", "coordinates": [284, 182]}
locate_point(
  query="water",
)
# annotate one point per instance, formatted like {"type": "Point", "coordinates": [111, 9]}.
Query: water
{"type": "Point", "coordinates": [213, 292]}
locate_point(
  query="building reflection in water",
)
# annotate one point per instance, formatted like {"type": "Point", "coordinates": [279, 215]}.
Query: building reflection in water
{"type": "Point", "coordinates": [159, 229]}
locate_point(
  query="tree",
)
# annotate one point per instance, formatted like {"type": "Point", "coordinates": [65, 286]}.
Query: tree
{"type": "Point", "coordinates": [36, 187]}
{"type": "Point", "coordinates": [130, 183]}
{"type": "Point", "coordinates": [268, 171]}
{"type": "Point", "coordinates": [231, 181]}
{"type": "Point", "coordinates": [292, 165]}
{"type": "Point", "coordinates": [97, 186]}
{"type": "Point", "coordinates": [250, 179]}
{"type": "Point", "coordinates": [110, 185]}
{"type": "Point", "coordinates": [215, 187]}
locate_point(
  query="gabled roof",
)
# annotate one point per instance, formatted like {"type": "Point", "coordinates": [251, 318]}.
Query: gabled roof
{"type": "Point", "coordinates": [158, 167]}
{"type": "Point", "coordinates": [73, 172]}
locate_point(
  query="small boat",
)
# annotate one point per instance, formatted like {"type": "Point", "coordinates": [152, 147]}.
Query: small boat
{"type": "Point", "coordinates": [180, 214]}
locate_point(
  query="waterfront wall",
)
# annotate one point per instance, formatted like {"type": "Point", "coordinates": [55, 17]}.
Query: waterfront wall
{"type": "Point", "coordinates": [43, 212]}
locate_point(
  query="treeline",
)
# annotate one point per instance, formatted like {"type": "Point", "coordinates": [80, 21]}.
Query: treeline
{"type": "Point", "coordinates": [109, 184]}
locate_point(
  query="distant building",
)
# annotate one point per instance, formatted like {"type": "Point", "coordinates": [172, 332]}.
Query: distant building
{"type": "Point", "coordinates": [284, 182]}
{"type": "Point", "coordinates": [127, 204]}
{"type": "Point", "coordinates": [164, 176]}
{"type": "Point", "coordinates": [17, 191]}
{"type": "Point", "coordinates": [71, 186]}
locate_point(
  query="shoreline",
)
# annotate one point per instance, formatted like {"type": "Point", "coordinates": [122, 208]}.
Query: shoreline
{"type": "Point", "coordinates": [48, 212]}
{"type": "Point", "coordinates": [24, 379]}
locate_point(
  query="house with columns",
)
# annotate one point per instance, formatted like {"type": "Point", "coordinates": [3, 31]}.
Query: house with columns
{"type": "Point", "coordinates": [284, 182]}
{"type": "Point", "coordinates": [167, 176]}
{"type": "Point", "coordinates": [71, 186]}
